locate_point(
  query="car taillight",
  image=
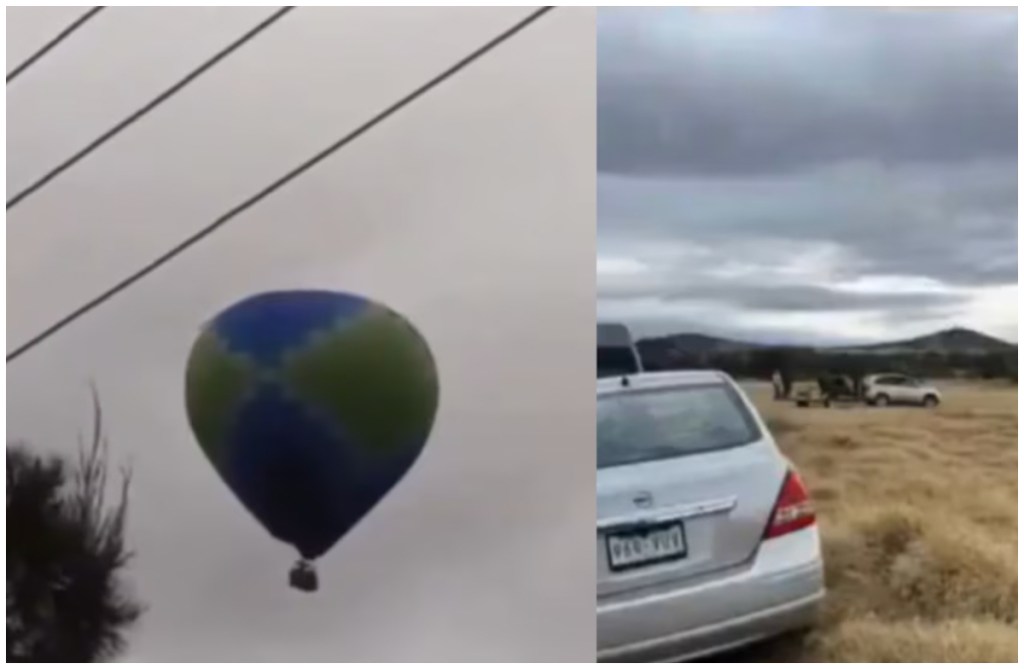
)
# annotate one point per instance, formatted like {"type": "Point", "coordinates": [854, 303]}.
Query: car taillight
{"type": "Point", "coordinates": [793, 510]}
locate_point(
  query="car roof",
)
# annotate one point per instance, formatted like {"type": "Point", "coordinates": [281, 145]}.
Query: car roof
{"type": "Point", "coordinates": [613, 335]}
{"type": "Point", "coordinates": [654, 380]}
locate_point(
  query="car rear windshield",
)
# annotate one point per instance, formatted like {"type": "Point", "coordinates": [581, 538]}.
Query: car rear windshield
{"type": "Point", "coordinates": [639, 426]}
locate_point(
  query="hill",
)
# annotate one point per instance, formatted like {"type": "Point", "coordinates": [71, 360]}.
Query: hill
{"type": "Point", "coordinates": [953, 340]}
{"type": "Point", "coordinates": [697, 343]}
{"type": "Point", "coordinates": [952, 352]}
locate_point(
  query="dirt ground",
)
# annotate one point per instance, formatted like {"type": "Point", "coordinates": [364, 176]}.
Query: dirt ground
{"type": "Point", "coordinates": [918, 514]}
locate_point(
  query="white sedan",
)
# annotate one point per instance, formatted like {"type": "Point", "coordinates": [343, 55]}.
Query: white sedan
{"type": "Point", "coordinates": [706, 536]}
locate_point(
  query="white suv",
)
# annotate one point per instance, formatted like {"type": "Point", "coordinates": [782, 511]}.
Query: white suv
{"type": "Point", "coordinates": [885, 389]}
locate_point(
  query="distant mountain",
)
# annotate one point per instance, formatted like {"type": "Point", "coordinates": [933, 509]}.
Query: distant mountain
{"type": "Point", "coordinates": [954, 340]}
{"type": "Point", "coordinates": [692, 342]}
{"type": "Point", "coordinates": [957, 352]}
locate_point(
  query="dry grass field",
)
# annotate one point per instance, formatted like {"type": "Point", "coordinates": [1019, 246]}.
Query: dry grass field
{"type": "Point", "coordinates": [918, 513]}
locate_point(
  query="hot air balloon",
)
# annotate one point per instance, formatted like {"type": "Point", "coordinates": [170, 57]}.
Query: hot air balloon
{"type": "Point", "coordinates": [311, 406]}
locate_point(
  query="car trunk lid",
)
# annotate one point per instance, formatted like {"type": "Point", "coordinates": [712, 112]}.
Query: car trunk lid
{"type": "Point", "coordinates": [721, 501]}
{"type": "Point", "coordinates": [686, 484]}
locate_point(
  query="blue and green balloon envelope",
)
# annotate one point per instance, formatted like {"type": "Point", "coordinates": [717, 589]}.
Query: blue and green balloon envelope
{"type": "Point", "coordinates": [311, 405]}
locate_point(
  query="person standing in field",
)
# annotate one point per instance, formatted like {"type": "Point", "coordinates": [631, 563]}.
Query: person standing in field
{"type": "Point", "coordinates": [777, 384]}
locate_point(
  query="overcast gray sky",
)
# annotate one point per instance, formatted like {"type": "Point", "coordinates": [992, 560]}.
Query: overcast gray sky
{"type": "Point", "coordinates": [485, 551]}
{"type": "Point", "coordinates": [808, 174]}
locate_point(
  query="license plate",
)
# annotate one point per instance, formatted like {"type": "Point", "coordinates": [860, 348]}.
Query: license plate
{"type": "Point", "coordinates": [636, 548]}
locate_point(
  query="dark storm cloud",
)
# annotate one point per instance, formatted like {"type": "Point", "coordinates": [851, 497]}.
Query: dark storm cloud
{"type": "Point", "coordinates": [811, 298]}
{"type": "Point", "coordinates": [761, 335]}
{"type": "Point", "coordinates": [953, 223]}
{"type": "Point", "coordinates": [756, 91]}
{"type": "Point", "coordinates": [797, 149]}
{"type": "Point", "coordinates": [750, 296]}
{"type": "Point", "coordinates": [916, 313]}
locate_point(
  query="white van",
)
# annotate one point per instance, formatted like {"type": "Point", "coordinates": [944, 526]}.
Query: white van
{"type": "Point", "coordinates": [617, 355]}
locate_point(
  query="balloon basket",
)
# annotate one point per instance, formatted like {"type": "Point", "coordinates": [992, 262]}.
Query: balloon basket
{"type": "Point", "coordinates": [303, 577]}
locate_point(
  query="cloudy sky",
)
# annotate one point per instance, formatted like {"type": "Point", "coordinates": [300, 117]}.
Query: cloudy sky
{"type": "Point", "coordinates": [485, 550]}
{"type": "Point", "coordinates": [808, 174]}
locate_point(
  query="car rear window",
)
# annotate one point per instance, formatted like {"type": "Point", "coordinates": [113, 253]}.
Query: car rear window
{"type": "Point", "coordinates": [639, 426]}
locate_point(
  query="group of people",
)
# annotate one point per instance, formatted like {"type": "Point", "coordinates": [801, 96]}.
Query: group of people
{"type": "Point", "coordinates": [830, 385]}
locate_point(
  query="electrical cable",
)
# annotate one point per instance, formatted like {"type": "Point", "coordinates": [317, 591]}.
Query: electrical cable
{"type": "Point", "coordinates": [49, 46]}
{"type": "Point", "coordinates": [148, 107]}
{"type": "Point", "coordinates": [276, 185]}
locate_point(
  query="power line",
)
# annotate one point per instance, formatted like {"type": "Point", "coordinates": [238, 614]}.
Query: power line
{"type": "Point", "coordinates": [275, 186]}
{"type": "Point", "coordinates": [46, 48]}
{"type": "Point", "coordinates": [148, 107]}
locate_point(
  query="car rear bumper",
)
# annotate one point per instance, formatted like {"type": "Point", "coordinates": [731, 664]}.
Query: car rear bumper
{"type": "Point", "coordinates": [781, 590]}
